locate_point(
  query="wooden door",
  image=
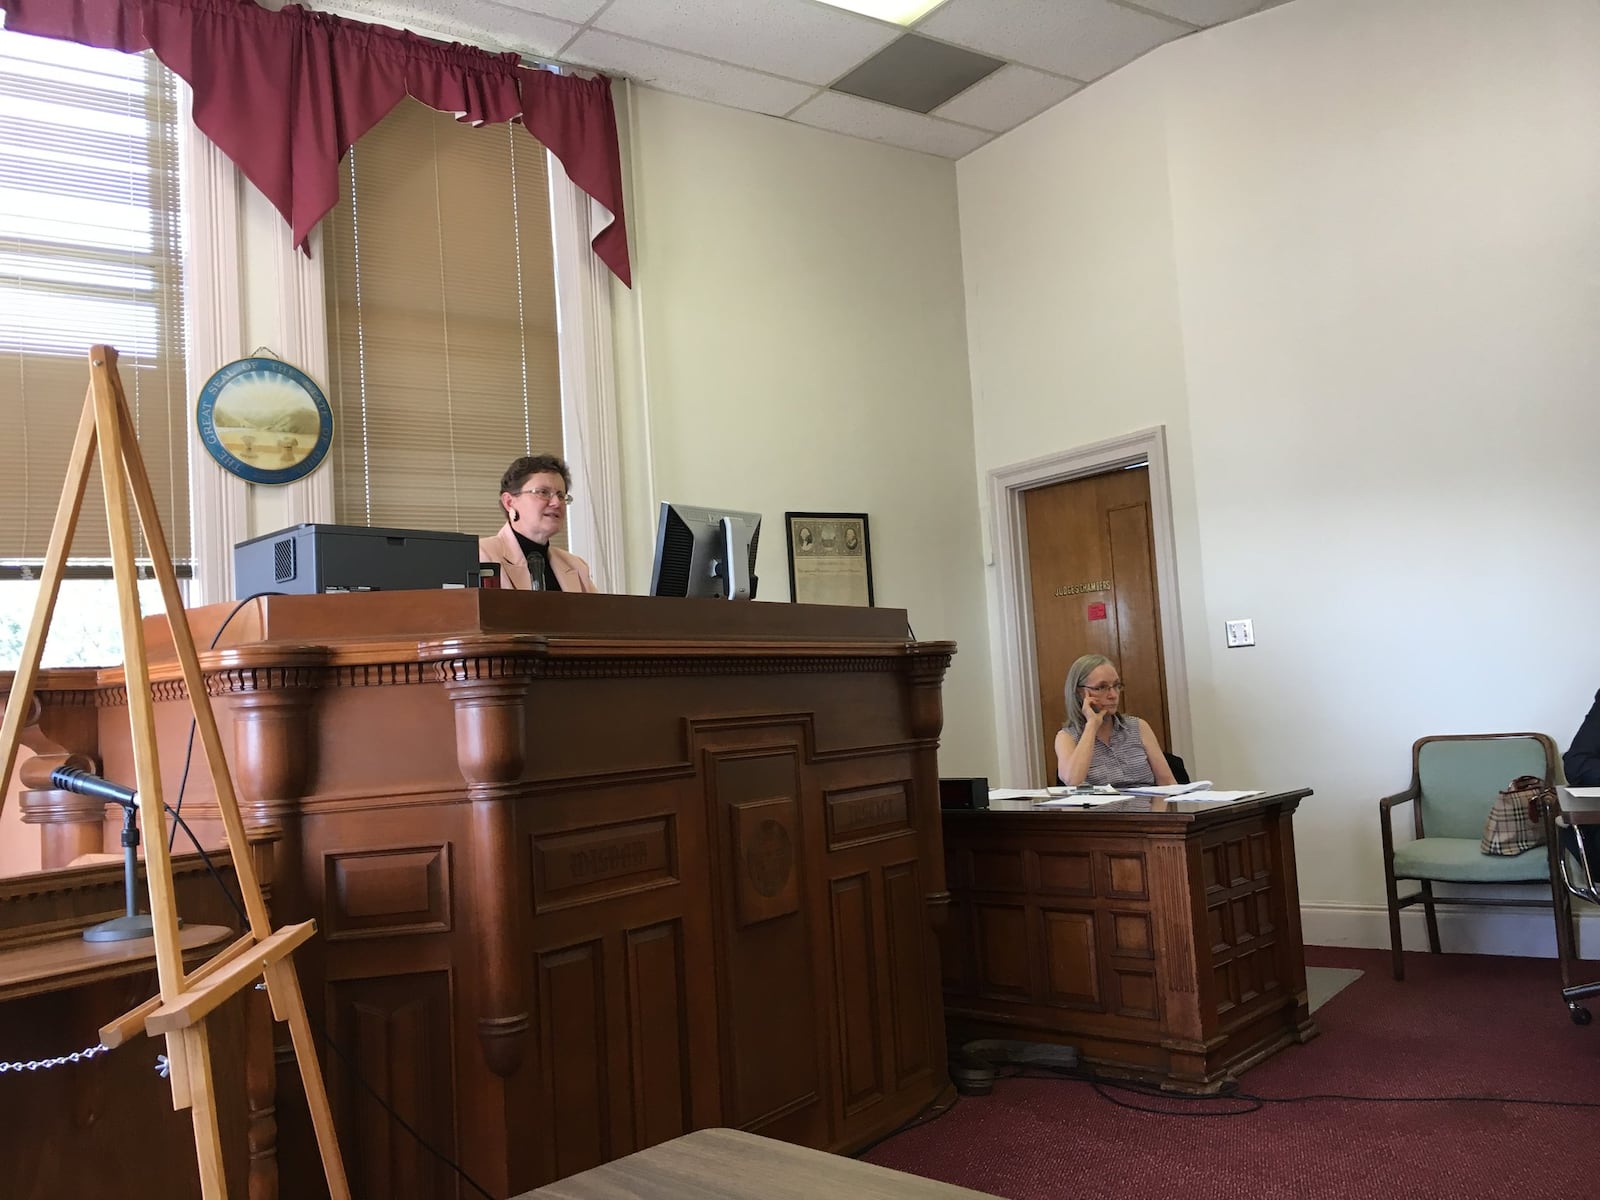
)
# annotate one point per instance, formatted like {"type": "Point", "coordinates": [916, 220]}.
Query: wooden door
{"type": "Point", "coordinates": [1092, 571]}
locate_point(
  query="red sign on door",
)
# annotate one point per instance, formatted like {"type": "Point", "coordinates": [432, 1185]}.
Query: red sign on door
{"type": "Point", "coordinates": [1097, 612]}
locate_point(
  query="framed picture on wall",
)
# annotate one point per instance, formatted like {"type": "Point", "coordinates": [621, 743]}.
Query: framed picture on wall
{"type": "Point", "coordinates": [830, 558]}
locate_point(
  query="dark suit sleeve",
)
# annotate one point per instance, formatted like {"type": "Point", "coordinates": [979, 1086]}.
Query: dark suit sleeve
{"type": "Point", "coordinates": [1582, 761]}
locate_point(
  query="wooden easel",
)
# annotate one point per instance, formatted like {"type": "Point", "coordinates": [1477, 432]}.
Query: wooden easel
{"type": "Point", "coordinates": [179, 1012]}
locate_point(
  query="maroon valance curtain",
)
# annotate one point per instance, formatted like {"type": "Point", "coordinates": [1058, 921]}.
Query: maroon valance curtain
{"type": "Point", "coordinates": [284, 94]}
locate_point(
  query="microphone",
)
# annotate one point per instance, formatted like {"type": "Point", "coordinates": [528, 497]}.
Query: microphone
{"type": "Point", "coordinates": [85, 783]}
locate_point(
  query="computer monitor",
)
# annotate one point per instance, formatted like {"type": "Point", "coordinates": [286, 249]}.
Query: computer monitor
{"type": "Point", "coordinates": [705, 552]}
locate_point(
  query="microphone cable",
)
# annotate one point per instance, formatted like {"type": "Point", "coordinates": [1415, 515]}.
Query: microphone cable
{"type": "Point", "coordinates": [1244, 1103]}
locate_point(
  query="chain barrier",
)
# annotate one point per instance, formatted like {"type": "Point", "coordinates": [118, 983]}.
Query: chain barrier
{"type": "Point", "coordinates": [44, 1064]}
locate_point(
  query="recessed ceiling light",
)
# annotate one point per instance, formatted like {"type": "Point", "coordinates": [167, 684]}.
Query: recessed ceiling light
{"type": "Point", "coordinates": [901, 12]}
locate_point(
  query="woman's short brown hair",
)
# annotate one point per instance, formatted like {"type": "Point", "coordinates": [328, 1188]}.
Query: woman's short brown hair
{"type": "Point", "coordinates": [529, 465]}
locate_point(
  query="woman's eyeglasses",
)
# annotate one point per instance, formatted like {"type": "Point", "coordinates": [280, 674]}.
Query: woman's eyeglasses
{"type": "Point", "coordinates": [1104, 687]}
{"type": "Point", "coordinates": [547, 494]}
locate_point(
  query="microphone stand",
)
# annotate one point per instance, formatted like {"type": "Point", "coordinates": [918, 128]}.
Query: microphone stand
{"type": "Point", "coordinates": [133, 924]}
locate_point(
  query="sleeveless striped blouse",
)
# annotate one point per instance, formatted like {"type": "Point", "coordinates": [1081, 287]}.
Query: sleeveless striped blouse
{"type": "Point", "coordinates": [1123, 759]}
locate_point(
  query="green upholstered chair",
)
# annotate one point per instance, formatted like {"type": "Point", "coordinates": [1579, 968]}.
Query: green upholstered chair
{"type": "Point", "coordinates": [1454, 781]}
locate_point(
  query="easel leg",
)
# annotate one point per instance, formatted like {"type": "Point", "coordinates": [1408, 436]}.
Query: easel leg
{"type": "Point", "coordinates": [207, 1135]}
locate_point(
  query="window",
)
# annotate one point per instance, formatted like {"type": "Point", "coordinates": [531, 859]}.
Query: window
{"type": "Point", "coordinates": [90, 252]}
{"type": "Point", "coordinates": [443, 357]}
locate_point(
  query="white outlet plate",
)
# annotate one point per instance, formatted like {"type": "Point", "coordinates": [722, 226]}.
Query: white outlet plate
{"type": "Point", "coordinates": [1241, 633]}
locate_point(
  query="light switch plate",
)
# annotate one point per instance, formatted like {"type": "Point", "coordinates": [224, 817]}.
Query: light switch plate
{"type": "Point", "coordinates": [1241, 633]}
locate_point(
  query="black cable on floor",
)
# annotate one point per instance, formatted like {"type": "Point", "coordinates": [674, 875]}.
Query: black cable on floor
{"type": "Point", "coordinates": [928, 1114]}
{"type": "Point", "coordinates": [1105, 1086]}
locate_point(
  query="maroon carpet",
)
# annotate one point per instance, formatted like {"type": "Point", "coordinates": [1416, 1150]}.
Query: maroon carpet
{"type": "Point", "coordinates": [1460, 1025]}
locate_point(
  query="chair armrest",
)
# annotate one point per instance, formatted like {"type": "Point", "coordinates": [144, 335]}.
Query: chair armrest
{"type": "Point", "coordinates": [1385, 824]}
{"type": "Point", "coordinates": [1397, 799]}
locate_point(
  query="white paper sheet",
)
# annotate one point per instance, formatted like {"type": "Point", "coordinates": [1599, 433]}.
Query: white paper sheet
{"type": "Point", "coordinates": [1077, 801]}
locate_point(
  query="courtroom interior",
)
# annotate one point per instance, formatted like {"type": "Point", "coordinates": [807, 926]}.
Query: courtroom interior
{"type": "Point", "coordinates": [1248, 346]}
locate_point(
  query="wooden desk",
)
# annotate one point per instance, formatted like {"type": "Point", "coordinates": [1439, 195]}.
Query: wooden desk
{"type": "Point", "coordinates": [1161, 938]}
{"type": "Point", "coordinates": [67, 962]}
{"type": "Point", "coordinates": [726, 1164]}
{"type": "Point", "coordinates": [1579, 810]}
{"type": "Point", "coordinates": [589, 872]}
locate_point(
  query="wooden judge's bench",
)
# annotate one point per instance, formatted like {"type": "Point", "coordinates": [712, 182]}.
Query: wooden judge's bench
{"type": "Point", "coordinates": [589, 872]}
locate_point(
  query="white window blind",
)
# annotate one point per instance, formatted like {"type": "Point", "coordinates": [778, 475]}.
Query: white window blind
{"type": "Point", "coordinates": [90, 252]}
{"type": "Point", "coordinates": [442, 348]}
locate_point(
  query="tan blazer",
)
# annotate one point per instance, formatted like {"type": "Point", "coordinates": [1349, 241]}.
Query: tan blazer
{"type": "Point", "coordinates": [503, 548]}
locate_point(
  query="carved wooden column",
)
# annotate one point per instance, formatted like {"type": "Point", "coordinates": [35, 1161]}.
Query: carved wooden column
{"type": "Point", "coordinates": [270, 702]}
{"type": "Point", "coordinates": [489, 692]}
{"type": "Point", "coordinates": [62, 730]}
{"type": "Point", "coordinates": [926, 665]}
{"type": "Point", "coordinates": [1282, 836]}
{"type": "Point", "coordinates": [70, 824]}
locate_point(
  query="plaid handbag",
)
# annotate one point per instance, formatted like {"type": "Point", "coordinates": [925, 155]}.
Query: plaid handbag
{"type": "Point", "coordinates": [1516, 822]}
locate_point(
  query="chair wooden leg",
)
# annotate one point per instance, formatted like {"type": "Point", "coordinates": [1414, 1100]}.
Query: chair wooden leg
{"type": "Point", "coordinates": [1397, 961]}
{"type": "Point", "coordinates": [1433, 918]}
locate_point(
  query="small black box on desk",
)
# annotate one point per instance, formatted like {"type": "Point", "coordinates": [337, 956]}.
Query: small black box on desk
{"type": "Point", "coordinates": [964, 793]}
{"type": "Point", "coordinates": [353, 558]}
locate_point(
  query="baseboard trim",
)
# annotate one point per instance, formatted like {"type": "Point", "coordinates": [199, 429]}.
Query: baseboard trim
{"type": "Point", "coordinates": [1518, 932]}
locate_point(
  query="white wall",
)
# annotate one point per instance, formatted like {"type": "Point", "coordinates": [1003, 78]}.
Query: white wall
{"type": "Point", "coordinates": [1349, 252]}
{"type": "Point", "coordinates": [801, 322]}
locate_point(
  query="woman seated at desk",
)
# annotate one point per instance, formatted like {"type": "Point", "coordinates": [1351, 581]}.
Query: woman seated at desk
{"type": "Point", "coordinates": [534, 494]}
{"type": "Point", "coordinates": [1099, 745]}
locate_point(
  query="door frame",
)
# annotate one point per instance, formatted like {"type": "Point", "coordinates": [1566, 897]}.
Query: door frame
{"type": "Point", "coordinates": [1018, 712]}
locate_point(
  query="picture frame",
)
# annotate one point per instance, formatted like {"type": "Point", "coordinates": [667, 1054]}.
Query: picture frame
{"type": "Point", "coordinates": [830, 558]}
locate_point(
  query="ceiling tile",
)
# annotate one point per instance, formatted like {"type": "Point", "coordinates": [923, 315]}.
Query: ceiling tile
{"type": "Point", "coordinates": [794, 38]}
{"type": "Point", "coordinates": [880, 123]}
{"type": "Point", "coordinates": [477, 22]}
{"type": "Point", "coordinates": [685, 74]}
{"type": "Point", "coordinates": [1081, 38]}
{"type": "Point", "coordinates": [1199, 12]}
{"type": "Point", "coordinates": [1007, 98]}
{"type": "Point", "coordinates": [563, 10]}
{"type": "Point", "coordinates": [917, 73]}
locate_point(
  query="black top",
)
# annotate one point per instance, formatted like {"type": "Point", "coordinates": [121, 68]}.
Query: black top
{"type": "Point", "coordinates": [538, 560]}
{"type": "Point", "coordinates": [1582, 760]}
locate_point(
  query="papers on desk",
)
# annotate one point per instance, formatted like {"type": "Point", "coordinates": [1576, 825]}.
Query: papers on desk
{"type": "Point", "coordinates": [1059, 797]}
{"type": "Point", "coordinates": [1201, 792]}
{"type": "Point", "coordinates": [1584, 793]}
{"type": "Point", "coordinates": [1212, 796]}
{"type": "Point", "coordinates": [1170, 789]}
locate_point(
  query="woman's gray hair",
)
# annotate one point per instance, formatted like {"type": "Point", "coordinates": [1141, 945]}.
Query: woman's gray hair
{"type": "Point", "coordinates": [1076, 674]}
